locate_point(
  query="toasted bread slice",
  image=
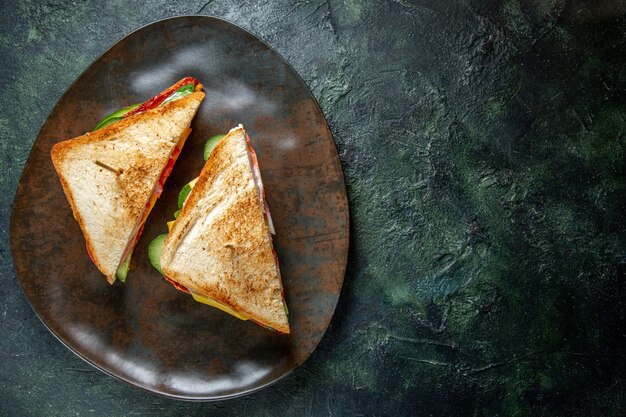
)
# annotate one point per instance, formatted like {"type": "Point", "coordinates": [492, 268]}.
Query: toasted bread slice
{"type": "Point", "coordinates": [220, 246]}
{"type": "Point", "coordinates": [112, 176]}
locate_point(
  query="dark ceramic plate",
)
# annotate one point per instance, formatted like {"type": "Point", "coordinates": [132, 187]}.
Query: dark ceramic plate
{"type": "Point", "coordinates": [146, 332]}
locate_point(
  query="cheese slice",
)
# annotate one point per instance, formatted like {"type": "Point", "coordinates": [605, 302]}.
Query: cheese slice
{"type": "Point", "coordinates": [213, 303]}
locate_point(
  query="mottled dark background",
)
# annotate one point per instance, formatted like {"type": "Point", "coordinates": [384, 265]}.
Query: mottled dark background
{"type": "Point", "coordinates": [484, 147]}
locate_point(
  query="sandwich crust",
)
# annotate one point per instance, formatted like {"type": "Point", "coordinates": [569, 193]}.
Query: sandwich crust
{"type": "Point", "coordinates": [220, 246]}
{"type": "Point", "coordinates": [110, 175]}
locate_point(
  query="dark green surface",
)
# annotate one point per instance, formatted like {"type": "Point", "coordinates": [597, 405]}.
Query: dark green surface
{"type": "Point", "coordinates": [484, 148]}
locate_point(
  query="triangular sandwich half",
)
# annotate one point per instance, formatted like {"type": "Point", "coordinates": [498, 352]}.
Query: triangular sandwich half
{"type": "Point", "coordinates": [113, 176]}
{"type": "Point", "coordinates": [220, 247]}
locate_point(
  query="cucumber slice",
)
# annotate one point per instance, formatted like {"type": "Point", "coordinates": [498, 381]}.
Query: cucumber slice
{"type": "Point", "coordinates": [210, 144]}
{"type": "Point", "coordinates": [183, 91]}
{"type": "Point", "coordinates": [155, 249]}
{"type": "Point", "coordinates": [184, 193]}
{"type": "Point", "coordinates": [122, 270]}
{"type": "Point", "coordinates": [107, 121]}
{"type": "Point", "coordinates": [115, 117]}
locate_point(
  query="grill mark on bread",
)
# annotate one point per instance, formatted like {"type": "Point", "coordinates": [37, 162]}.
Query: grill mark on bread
{"type": "Point", "coordinates": [105, 166]}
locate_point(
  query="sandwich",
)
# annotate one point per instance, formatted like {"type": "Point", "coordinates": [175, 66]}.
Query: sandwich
{"type": "Point", "coordinates": [113, 175]}
{"type": "Point", "coordinates": [219, 248]}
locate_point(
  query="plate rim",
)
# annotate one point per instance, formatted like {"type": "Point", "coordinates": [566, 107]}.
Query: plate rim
{"type": "Point", "coordinates": [336, 160]}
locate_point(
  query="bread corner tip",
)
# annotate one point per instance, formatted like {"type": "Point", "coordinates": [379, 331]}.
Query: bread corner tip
{"type": "Point", "coordinates": [55, 149]}
{"type": "Point", "coordinates": [56, 152]}
{"type": "Point", "coordinates": [284, 329]}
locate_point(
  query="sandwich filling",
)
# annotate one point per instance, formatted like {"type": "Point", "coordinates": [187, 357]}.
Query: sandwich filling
{"type": "Point", "coordinates": [182, 88]}
{"type": "Point", "coordinates": [256, 171]}
{"type": "Point", "coordinates": [122, 270]}
{"type": "Point", "coordinates": [179, 90]}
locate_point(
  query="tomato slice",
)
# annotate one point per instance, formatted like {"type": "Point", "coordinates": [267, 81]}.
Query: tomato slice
{"type": "Point", "coordinates": [176, 285]}
{"type": "Point", "coordinates": [162, 96]}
